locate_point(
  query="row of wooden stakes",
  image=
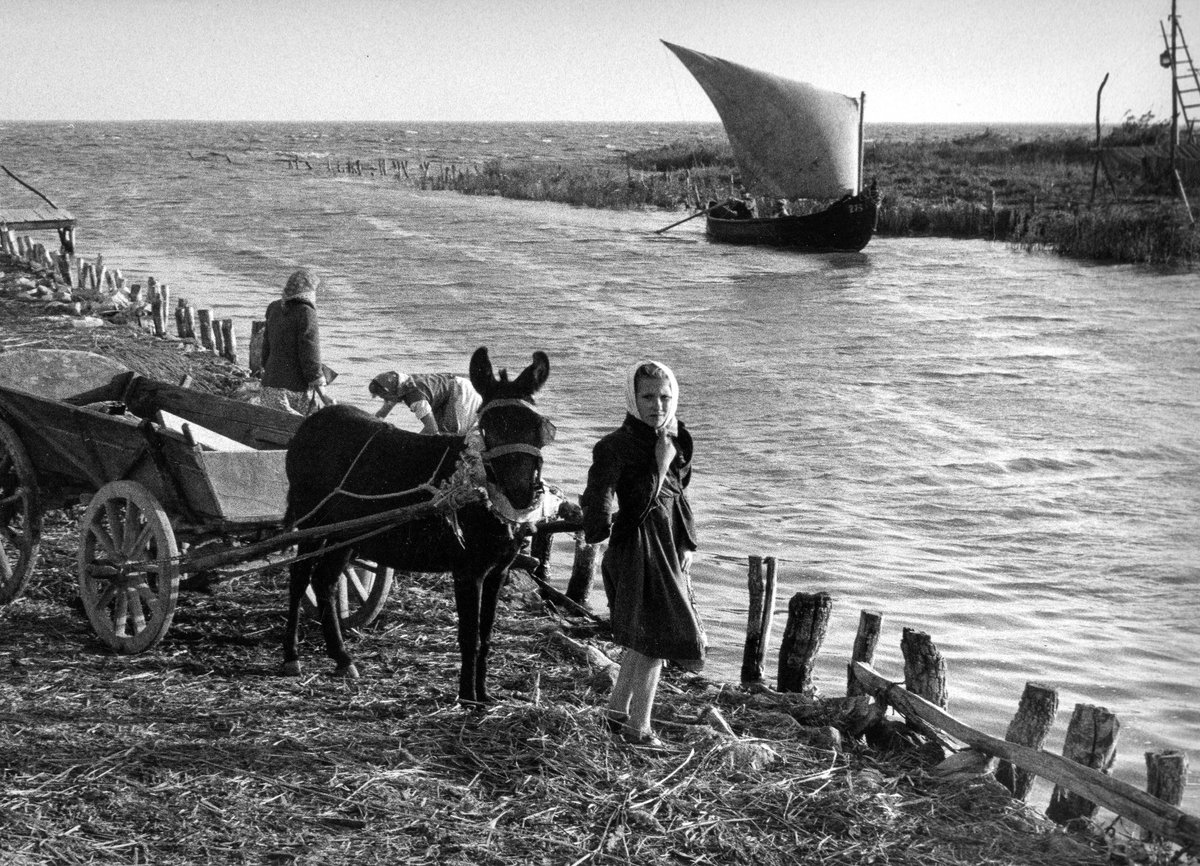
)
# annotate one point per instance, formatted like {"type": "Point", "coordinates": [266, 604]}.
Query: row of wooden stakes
{"type": "Point", "coordinates": [1081, 776]}
{"type": "Point", "coordinates": [148, 305]}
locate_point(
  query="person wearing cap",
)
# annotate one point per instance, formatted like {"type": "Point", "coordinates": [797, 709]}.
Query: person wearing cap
{"type": "Point", "coordinates": [442, 402]}
{"type": "Point", "coordinates": [293, 379]}
{"type": "Point", "coordinates": [645, 466]}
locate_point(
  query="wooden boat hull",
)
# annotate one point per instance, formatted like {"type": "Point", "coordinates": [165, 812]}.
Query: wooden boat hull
{"type": "Point", "coordinates": [845, 226]}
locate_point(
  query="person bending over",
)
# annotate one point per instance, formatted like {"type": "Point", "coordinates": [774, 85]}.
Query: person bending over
{"type": "Point", "coordinates": [443, 402]}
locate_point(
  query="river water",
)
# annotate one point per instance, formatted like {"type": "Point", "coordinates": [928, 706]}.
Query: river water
{"type": "Point", "coordinates": [996, 447]}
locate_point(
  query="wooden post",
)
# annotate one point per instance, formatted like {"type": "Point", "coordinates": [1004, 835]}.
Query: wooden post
{"type": "Point", "coordinates": [752, 652]}
{"type": "Point", "coordinates": [180, 323]}
{"type": "Point", "coordinates": [1035, 715]}
{"type": "Point", "coordinates": [1166, 777]}
{"type": "Point", "coordinates": [583, 570]}
{"type": "Point", "coordinates": [228, 344]}
{"type": "Point", "coordinates": [924, 667]}
{"type": "Point", "coordinates": [189, 321]}
{"type": "Point", "coordinates": [257, 335]}
{"type": "Point", "coordinates": [808, 620]}
{"type": "Point", "coordinates": [759, 617]}
{"type": "Point", "coordinates": [206, 329]}
{"type": "Point", "coordinates": [156, 315]}
{"type": "Point", "coordinates": [217, 337]}
{"type": "Point", "coordinates": [869, 624]}
{"type": "Point", "coordinates": [1091, 741]}
{"type": "Point", "coordinates": [164, 294]}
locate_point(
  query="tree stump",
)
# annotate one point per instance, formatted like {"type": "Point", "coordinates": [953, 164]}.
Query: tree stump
{"type": "Point", "coordinates": [869, 624]}
{"type": "Point", "coordinates": [808, 620]}
{"type": "Point", "coordinates": [1166, 777]}
{"type": "Point", "coordinates": [924, 667]}
{"type": "Point", "coordinates": [1035, 715]}
{"type": "Point", "coordinates": [1091, 741]}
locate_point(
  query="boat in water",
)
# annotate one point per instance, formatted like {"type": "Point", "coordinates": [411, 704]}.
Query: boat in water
{"type": "Point", "coordinates": [791, 141]}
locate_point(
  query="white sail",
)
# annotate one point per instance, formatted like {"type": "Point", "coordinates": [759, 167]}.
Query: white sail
{"type": "Point", "coordinates": [790, 139]}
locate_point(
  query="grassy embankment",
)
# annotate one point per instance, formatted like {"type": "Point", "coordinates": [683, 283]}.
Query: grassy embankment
{"type": "Point", "coordinates": [1036, 194]}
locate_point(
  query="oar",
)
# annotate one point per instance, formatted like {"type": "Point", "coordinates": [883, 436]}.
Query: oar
{"type": "Point", "coordinates": [685, 219]}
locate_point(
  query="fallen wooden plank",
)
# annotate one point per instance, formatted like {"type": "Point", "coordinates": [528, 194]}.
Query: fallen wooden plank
{"type": "Point", "coordinates": [1118, 797]}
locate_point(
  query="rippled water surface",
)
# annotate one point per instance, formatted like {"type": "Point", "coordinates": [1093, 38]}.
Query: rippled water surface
{"type": "Point", "coordinates": [998, 448]}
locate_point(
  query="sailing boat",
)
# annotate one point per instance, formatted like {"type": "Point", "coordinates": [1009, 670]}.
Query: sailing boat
{"type": "Point", "coordinates": [790, 140]}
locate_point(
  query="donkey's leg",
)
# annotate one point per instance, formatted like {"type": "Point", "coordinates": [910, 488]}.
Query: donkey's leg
{"type": "Point", "coordinates": [467, 593]}
{"type": "Point", "coordinates": [492, 582]}
{"type": "Point", "coordinates": [299, 575]}
{"type": "Point", "coordinates": [326, 572]}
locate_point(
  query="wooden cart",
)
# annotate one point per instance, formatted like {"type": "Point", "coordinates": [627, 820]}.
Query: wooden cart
{"type": "Point", "coordinates": [174, 481]}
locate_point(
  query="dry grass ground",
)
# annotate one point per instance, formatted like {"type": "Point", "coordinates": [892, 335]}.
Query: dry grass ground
{"type": "Point", "coordinates": [198, 752]}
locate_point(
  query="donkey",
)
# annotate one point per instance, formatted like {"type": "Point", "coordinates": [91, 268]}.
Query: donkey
{"type": "Point", "coordinates": [344, 464]}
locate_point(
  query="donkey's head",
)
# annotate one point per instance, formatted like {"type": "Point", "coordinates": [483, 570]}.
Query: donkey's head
{"type": "Point", "coordinates": [514, 432]}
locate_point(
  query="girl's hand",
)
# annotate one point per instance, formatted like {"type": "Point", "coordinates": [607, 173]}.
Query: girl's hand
{"type": "Point", "coordinates": [687, 562]}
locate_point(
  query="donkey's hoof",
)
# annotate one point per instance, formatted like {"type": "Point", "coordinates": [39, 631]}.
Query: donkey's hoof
{"type": "Point", "coordinates": [346, 672]}
{"type": "Point", "coordinates": [290, 669]}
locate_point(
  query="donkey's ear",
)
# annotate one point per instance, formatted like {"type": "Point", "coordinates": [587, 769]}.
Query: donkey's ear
{"type": "Point", "coordinates": [482, 378]}
{"type": "Point", "coordinates": [534, 376]}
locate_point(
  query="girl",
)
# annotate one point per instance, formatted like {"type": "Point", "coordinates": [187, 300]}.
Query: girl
{"type": "Point", "coordinates": [646, 464]}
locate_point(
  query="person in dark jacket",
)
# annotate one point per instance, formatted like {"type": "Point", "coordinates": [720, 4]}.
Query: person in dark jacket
{"type": "Point", "coordinates": [645, 465]}
{"type": "Point", "coordinates": [293, 380]}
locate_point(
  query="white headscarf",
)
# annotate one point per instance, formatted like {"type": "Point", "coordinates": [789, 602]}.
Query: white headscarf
{"type": "Point", "coordinates": [631, 393]}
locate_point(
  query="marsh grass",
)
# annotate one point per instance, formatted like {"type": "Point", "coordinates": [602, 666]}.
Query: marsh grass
{"type": "Point", "coordinates": [1033, 193]}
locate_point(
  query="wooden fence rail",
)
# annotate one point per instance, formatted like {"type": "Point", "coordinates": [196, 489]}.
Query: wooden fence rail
{"type": "Point", "coordinates": [1154, 815]}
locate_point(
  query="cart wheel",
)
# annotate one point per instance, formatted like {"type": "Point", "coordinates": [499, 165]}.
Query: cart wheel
{"type": "Point", "coordinates": [20, 515]}
{"type": "Point", "coordinates": [362, 591]}
{"type": "Point", "coordinates": [128, 567]}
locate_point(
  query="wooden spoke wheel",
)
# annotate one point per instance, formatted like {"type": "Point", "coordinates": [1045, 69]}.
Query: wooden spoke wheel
{"type": "Point", "coordinates": [20, 515]}
{"type": "Point", "coordinates": [362, 590]}
{"type": "Point", "coordinates": [128, 567]}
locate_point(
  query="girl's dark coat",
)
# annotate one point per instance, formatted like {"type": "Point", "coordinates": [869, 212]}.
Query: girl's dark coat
{"type": "Point", "coordinates": [649, 594]}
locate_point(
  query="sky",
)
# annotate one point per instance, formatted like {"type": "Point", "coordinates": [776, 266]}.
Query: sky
{"type": "Point", "coordinates": [918, 61]}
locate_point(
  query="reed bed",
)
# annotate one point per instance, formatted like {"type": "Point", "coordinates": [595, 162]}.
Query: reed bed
{"type": "Point", "coordinates": [1032, 193]}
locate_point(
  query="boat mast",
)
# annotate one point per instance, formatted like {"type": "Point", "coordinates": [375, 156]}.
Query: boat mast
{"type": "Point", "coordinates": [862, 104]}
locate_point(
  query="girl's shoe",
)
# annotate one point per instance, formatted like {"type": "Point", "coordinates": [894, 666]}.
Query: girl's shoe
{"type": "Point", "coordinates": [648, 740]}
{"type": "Point", "coordinates": [615, 721]}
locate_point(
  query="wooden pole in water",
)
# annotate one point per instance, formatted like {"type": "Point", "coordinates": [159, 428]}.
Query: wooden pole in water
{"type": "Point", "coordinates": [686, 219]}
{"type": "Point", "coordinates": [808, 620]}
{"type": "Point", "coordinates": [228, 343]}
{"type": "Point", "coordinates": [869, 625]}
{"type": "Point", "coordinates": [1035, 716]}
{"type": "Point", "coordinates": [207, 338]}
{"type": "Point", "coordinates": [752, 652]}
{"type": "Point", "coordinates": [1091, 741]}
{"type": "Point", "coordinates": [1166, 777]}
{"type": "Point", "coordinates": [924, 667]}
{"type": "Point", "coordinates": [218, 338]}
{"type": "Point", "coordinates": [257, 335]}
{"type": "Point", "coordinates": [1096, 164]}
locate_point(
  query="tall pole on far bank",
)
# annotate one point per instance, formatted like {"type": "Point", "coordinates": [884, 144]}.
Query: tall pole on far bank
{"type": "Point", "coordinates": [1174, 87]}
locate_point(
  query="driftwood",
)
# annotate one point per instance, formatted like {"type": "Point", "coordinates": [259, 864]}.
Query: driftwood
{"type": "Point", "coordinates": [1118, 797]}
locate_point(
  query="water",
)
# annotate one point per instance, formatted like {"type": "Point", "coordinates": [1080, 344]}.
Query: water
{"type": "Point", "coordinates": [998, 448]}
